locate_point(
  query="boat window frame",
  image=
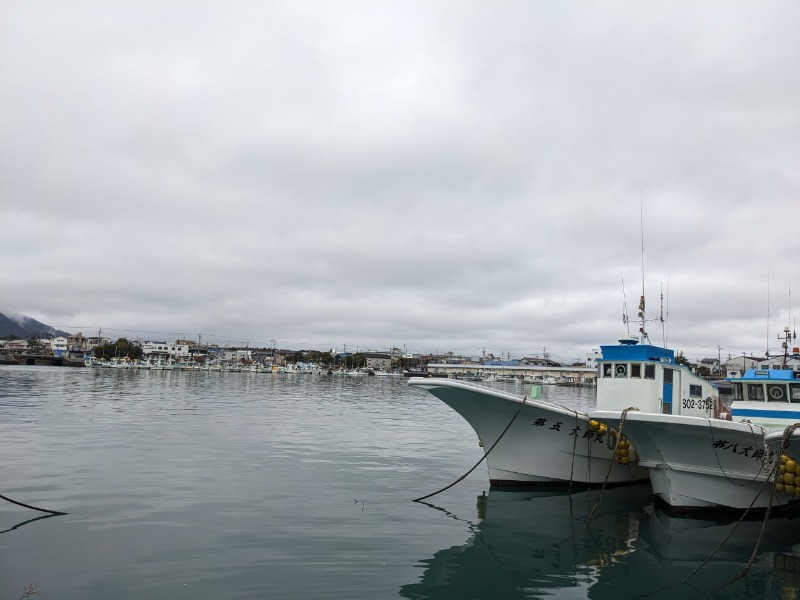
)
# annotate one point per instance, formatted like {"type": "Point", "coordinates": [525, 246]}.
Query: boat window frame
{"type": "Point", "coordinates": [669, 375]}
{"type": "Point", "coordinates": [608, 370]}
{"type": "Point", "coordinates": [753, 387]}
{"type": "Point", "coordinates": [649, 371]}
{"type": "Point", "coordinates": [620, 370]}
{"type": "Point", "coordinates": [794, 392]}
{"type": "Point", "coordinates": [636, 371]}
{"type": "Point", "coordinates": [737, 391]}
{"type": "Point", "coordinates": [781, 396]}
{"type": "Point", "coordinates": [695, 390]}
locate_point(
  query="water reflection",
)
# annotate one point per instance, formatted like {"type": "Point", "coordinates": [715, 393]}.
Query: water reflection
{"type": "Point", "coordinates": [529, 544]}
{"type": "Point", "coordinates": [29, 520]}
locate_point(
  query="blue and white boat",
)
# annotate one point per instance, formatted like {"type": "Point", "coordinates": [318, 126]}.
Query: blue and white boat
{"type": "Point", "coordinates": [769, 397]}
{"type": "Point", "coordinates": [714, 461]}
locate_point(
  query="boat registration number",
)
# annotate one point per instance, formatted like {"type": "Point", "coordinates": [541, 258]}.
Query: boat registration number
{"type": "Point", "coordinates": [698, 403]}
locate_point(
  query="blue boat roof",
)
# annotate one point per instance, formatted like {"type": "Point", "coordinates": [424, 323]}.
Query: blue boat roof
{"type": "Point", "coordinates": [643, 352]}
{"type": "Point", "coordinates": [764, 374]}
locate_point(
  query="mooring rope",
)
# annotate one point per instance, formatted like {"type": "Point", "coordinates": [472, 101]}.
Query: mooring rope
{"type": "Point", "coordinates": [787, 435]}
{"type": "Point", "coordinates": [44, 510]}
{"type": "Point", "coordinates": [572, 465]}
{"type": "Point", "coordinates": [773, 473]}
{"type": "Point", "coordinates": [482, 457]}
{"type": "Point", "coordinates": [719, 464]}
{"type": "Point", "coordinates": [622, 417]}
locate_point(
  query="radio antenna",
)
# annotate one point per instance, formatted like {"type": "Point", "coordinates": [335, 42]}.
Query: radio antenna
{"type": "Point", "coordinates": [768, 313]}
{"type": "Point", "coordinates": [661, 316]}
{"type": "Point", "coordinates": [642, 332]}
{"type": "Point", "coordinates": [624, 305]}
{"type": "Point", "coordinates": [666, 323]}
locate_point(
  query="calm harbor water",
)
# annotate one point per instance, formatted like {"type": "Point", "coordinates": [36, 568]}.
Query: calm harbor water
{"type": "Point", "coordinates": [238, 485]}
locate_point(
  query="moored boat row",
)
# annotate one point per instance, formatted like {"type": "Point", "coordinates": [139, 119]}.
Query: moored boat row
{"type": "Point", "coordinates": [230, 367]}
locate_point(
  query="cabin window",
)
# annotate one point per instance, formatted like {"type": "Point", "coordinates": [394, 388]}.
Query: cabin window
{"type": "Point", "coordinates": [737, 392]}
{"type": "Point", "coordinates": [649, 371]}
{"type": "Point", "coordinates": [668, 376]}
{"type": "Point", "coordinates": [794, 392]}
{"type": "Point", "coordinates": [776, 393]}
{"type": "Point", "coordinates": [755, 391]}
{"type": "Point", "coordinates": [620, 370]}
{"type": "Point", "coordinates": [636, 371]}
{"type": "Point", "coordinates": [607, 369]}
{"type": "Point", "coordinates": [696, 391]}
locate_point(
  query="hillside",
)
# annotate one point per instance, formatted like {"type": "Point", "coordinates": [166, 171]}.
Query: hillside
{"type": "Point", "coordinates": [24, 327]}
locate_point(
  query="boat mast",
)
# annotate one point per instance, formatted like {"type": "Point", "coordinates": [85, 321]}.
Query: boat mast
{"type": "Point", "coordinates": [788, 335]}
{"type": "Point", "coordinates": [642, 333]}
{"type": "Point", "coordinates": [625, 320]}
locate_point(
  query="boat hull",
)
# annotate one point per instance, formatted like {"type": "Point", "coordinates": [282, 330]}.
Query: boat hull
{"type": "Point", "coordinates": [546, 444]}
{"type": "Point", "coordinates": [698, 464]}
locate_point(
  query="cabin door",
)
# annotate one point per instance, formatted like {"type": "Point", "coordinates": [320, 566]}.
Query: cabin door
{"type": "Point", "coordinates": [666, 402]}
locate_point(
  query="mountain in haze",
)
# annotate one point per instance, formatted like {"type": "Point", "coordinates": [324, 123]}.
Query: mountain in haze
{"type": "Point", "coordinates": [24, 327]}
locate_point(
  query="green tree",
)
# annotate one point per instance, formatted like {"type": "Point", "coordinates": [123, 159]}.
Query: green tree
{"type": "Point", "coordinates": [34, 345]}
{"type": "Point", "coordinates": [122, 348]}
{"type": "Point", "coordinates": [681, 359]}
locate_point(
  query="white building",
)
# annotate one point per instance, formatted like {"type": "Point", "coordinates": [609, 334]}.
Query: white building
{"type": "Point", "coordinates": [737, 365]}
{"type": "Point", "coordinates": [592, 357]}
{"type": "Point", "coordinates": [792, 362]}
{"type": "Point", "coordinates": [237, 355]}
{"type": "Point", "coordinates": [59, 346]}
{"type": "Point", "coordinates": [164, 349]}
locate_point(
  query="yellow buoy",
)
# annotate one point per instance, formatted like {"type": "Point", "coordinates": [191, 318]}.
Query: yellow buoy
{"type": "Point", "coordinates": [782, 469]}
{"type": "Point", "coordinates": [790, 489]}
{"type": "Point", "coordinates": [593, 424]}
{"type": "Point", "coordinates": [779, 487]}
{"type": "Point", "coordinates": [791, 466]}
{"type": "Point", "coordinates": [624, 460]}
{"type": "Point", "coordinates": [784, 458]}
{"type": "Point", "coordinates": [789, 478]}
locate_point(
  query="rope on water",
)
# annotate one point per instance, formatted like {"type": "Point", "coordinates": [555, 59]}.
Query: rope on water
{"type": "Point", "coordinates": [516, 414]}
{"type": "Point", "coordinates": [44, 510]}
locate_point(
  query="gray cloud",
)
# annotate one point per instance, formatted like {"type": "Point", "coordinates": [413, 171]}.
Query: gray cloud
{"type": "Point", "coordinates": [441, 176]}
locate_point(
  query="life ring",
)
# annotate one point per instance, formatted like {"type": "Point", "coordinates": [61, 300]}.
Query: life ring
{"type": "Point", "coordinates": [776, 392]}
{"type": "Point", "coordinates": [611, 439]}
{"type": "Point", "coordinates": [620, 370]}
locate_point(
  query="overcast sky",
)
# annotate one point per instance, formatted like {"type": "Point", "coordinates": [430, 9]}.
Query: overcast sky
{"type": "Point", "coordinates": [430, 175]}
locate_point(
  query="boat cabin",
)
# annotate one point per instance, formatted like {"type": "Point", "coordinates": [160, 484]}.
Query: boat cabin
{"type": "Point", "coordinates": [648, 378]}
{"type": "Point", "coordinates": [767, 385]}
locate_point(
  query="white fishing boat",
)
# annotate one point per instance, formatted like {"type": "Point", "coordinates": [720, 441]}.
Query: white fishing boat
{"type": "Point", "coordinates": [529, 441]}
{"type": "Point", "coordinates": [702, 458]}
